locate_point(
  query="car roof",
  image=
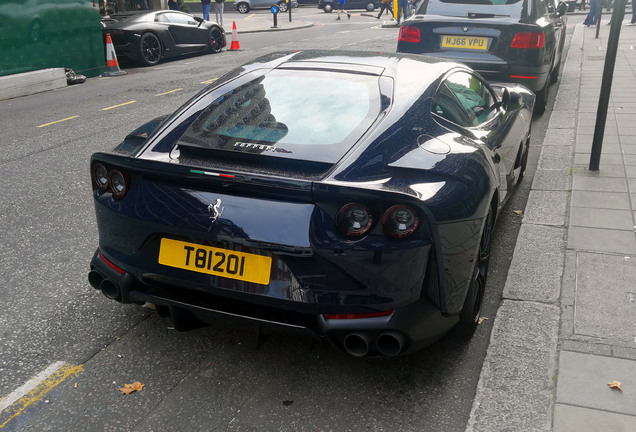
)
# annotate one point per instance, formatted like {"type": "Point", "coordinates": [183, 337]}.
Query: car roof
{"type": "Point", "coordinates": [408, 70]}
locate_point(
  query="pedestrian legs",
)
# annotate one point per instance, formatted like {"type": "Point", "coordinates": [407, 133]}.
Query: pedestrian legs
{"type": "Point", "coordinates": [218, 12]}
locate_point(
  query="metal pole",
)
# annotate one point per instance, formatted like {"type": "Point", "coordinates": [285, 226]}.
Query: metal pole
{"type": "Point", "coordinates": [606, 83]}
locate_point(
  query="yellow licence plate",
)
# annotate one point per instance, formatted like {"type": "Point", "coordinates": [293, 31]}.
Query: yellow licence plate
{"type": "Point", "coordinates": [215, 261]}
{"type": "Point", "coordinates": [465, 42]}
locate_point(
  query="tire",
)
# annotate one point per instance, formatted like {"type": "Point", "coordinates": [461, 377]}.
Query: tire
{"type": "Point", "coordinates": [328, 8]}
{"type": "Point", "coordinates": [215, 40]}
{"type": "Point", "coordinates": [542, 98]}
{"type": "Point", "coordinates": [243, 8]}
{"type": "Point", "coordinates": [524, 159]}
{"type": "Point", "coordinates": [471, 311]}
{"type": "Point", "coordinates": [370, 7]}
{"type": "Point", "coordinates": [554, 76]}
{"type": "Point", "coordinates": [282, 6]}
{"type": "Point", "coordinates": [149, 49]}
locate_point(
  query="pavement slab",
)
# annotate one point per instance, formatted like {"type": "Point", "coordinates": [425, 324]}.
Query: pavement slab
{"type": "Point", "coordinates": [570, 418]}
{"type": "Point", "coordinates": [601, 240]}
{"type": "Point", "coordinates": [606, 283]}
{"type": "Point", "coordinates": [583, 380]}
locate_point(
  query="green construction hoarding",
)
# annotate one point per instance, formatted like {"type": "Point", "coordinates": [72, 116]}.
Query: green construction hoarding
{"type": "Point", "coordinates": [41, 34]}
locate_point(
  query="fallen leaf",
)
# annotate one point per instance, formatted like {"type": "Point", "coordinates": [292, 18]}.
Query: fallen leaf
{"type": "Point", "coordinates": [616, 385]}
{"type": "Point", "coordinates": [481, 320]}
{"type": "Point", "coordinates": [519, 212]}
{"type": "Point", "coordinates": [75, 386]}
{"type": "Point", "coordinates": [129, 388]}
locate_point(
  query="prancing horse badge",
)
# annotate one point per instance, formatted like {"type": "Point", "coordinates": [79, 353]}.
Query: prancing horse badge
{"type": "Point", "coordinates": [214, 209]}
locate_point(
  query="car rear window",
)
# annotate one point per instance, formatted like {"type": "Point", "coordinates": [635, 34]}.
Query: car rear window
{"type": "Point", "coordinates": [475, 8]}
{"type": "Point", "coordinates": [296, 114]}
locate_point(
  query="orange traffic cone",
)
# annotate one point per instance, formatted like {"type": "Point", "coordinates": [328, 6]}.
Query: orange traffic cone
{"type": "Point", "coordinates": [112, 67]}
{"type": "Point", "coordinates": [235, 42]}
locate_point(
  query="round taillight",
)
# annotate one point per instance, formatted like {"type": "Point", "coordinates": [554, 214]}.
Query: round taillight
{"type": "Point", "coordinates": [400, 221]}
{"type": "Point", "coordinates": [100, 176]}
{"type": "Point", "coordinates": [354, 220]}
{"type": "Point", "coordinates": [118, 183]}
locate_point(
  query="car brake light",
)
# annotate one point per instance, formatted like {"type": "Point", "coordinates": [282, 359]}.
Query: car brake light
{"type": "Point", "coordinates": [110, 179]}
{"type": "Point", "coordinates": [118, 183]}
{"type": "Point", "coordinates": [528, 40]}
{"type": "Point", "coordinates": [358, 316]}
{"type": "Point", "coordinates": [100, 176]}
{"type": "Point", "coordinates": [354, 219]}
{"type": "Point", "coordinates": [409, 34]}
{"type": "Point", "coordinates": [400, 221]}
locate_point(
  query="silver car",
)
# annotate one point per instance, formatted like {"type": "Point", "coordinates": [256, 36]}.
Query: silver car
{"type": "Point", "coordinates": [244, 6]}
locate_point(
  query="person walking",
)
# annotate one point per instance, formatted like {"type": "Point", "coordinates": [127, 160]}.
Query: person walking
{"type": "Point", "coordinates": [594, 14]}
{"type": "Point", "coordinates": [341, 5]}
{"type": "Point", "coordinates": [172, 5]}
{"type": "Point", "coordinates": [218, 11]}
{"type": "Point", "coordinates": [386, 6]}
{"type": "Point", "coordinates": [403, 10]}
{"type": "Point", "coordinates": [206, 9]}
{"type": "Point", "coordinates": [633, 21]}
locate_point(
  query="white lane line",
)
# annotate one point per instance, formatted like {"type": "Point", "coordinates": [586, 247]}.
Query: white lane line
{"type": "Point", "coordinates": [22, 391]}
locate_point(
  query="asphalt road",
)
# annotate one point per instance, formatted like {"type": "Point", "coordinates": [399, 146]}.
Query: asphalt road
{"type": "Point", "coordinates": [209, 379]}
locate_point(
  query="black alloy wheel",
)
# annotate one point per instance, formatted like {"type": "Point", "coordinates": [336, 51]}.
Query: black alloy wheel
{"type": "Point", "coordinates": [216, 40]}
{"type": "Point", "coordinates": [149, 49]}
{"type": "Point", "coordinates": [471, 311]}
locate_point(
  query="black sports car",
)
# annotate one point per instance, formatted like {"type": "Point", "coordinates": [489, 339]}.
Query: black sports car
{"type": "Point", "coordinates": [325, 192]}
{"type": "Point", "coordinates": [149, 36]}
{"type": "Point", "coordinates": [504, 40]}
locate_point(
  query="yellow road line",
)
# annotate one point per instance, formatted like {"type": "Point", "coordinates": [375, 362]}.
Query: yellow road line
{"type": "Point", "coordinates": [115, 106]}
{"type": "Point", "coordinates": [41, 386]}
{"type": "Point", "coordinates": [210, 81]}
{"type": "Point", "coordinates": [58, 121]}
{"type": "Point", "coordinates": [168, 92]}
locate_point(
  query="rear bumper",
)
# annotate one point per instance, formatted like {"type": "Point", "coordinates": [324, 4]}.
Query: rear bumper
{"type": "Point", "coordinates": [408, 328]}
{"type": "Point", "coordinates": [532, 75]}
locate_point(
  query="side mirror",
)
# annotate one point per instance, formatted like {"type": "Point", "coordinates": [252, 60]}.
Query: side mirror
{"type": "Point", "coordinates": [199, 20]}
{"type": "Point", "coordinates": [511, 101]}
{"type": "Point", "coordinates": [562, 8]}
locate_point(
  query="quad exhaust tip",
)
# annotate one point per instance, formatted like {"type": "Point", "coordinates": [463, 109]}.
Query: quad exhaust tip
{"type": "Point", "coordinates": [357, 344]}
{"type": "Point", "coordinates": [387, 344]}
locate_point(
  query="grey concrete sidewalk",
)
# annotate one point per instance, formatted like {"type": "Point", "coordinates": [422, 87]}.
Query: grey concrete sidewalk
{"type": "Point", "coordinates": [567, 324]}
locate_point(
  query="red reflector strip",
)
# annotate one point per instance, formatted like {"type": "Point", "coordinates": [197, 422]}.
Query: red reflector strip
{"type": "Point", "coordinates": [523, 77]}
{"type": "Point", "coordinates": [358, 316]}
{"type": "Point", "coordinates": [111, 265]}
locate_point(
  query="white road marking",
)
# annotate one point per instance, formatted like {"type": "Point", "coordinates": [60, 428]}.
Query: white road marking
{"type": "Point", "coordinates": [23, 390]}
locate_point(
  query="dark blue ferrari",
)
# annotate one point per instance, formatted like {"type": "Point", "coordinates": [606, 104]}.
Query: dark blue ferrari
{"type": "Point", "coordinates": [350, 196]}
